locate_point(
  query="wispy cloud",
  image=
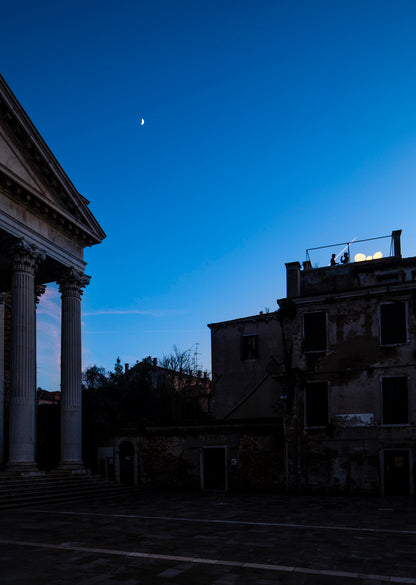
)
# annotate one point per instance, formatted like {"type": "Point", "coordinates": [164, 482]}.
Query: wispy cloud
{"type": "Point", "coordinates": [151, 312]}
{"type": "Point", "coordinates": [50, 304]}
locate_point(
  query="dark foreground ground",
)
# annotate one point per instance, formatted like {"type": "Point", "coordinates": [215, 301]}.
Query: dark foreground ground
{"type": "Point", "coordinates": [199, 539]}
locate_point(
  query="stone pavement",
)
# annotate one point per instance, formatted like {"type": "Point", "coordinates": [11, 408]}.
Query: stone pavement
{"type": "Point", "coordinates": [206, 539]}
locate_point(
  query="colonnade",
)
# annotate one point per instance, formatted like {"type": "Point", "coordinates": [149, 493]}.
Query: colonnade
{"type": "Point", "coordinates": [26, 259]}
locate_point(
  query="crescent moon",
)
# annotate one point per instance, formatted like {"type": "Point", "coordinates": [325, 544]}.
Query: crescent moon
{"type": "Point", "coordinates": [142, 122]}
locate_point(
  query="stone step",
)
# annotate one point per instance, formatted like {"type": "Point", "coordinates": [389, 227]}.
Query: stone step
{"type": "Point", "coordinates": [51, 484]}
{"type": "Point", "coordinates": [56, 499]}
{"type": "Point", "coordinates": [19, 492]}
{"type": "Point", "coordinates": [61, 488]}
{"type": "Point", "coordinates": [22, 493]}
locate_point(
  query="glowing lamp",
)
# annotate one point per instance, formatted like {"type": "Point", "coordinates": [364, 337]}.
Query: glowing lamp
{"type": "Point", "coordinates": [377, 256]}
{"type": "Point", "coordinates": [359, 257]}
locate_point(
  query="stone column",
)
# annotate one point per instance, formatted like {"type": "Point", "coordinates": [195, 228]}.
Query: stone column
{"type": "Point", "coordinates": [70, 287]}
{"type": "Point", "coordinates": [25, 260]}
{"type": "Point", "coordinates": [2, 318]}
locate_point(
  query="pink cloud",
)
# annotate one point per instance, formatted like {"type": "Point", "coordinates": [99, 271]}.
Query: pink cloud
{"type": "Point", "coordinates": [50, 304]}
{"type": "Point", "coordinates": [48, 334]}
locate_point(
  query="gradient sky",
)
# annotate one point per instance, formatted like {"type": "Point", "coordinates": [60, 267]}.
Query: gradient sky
{"type": "Point", "coordinates": [270, 127]}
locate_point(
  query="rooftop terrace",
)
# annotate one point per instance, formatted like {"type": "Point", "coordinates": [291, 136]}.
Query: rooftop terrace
{"type": "Point", "coordinates": [350, 266]}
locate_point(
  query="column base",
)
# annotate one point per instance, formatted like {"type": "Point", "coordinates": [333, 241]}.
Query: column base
{"type": "Point", "coordinates": [75, 467]}
{"type": "Point", "coordinates": [23, 468]}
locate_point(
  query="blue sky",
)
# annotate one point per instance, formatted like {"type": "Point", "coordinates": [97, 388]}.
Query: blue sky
{"type": "Point", "coordinates": [270, 127]}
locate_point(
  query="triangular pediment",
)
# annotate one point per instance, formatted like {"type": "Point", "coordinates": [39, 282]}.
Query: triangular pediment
{"type": "Point", "coordinates": [13, 163]}
{"type": "Point", "coordinates": [26, 163]}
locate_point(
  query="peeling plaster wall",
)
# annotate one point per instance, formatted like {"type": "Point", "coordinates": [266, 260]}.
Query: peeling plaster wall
{"type": "Point", "coordinates": [347, 455]}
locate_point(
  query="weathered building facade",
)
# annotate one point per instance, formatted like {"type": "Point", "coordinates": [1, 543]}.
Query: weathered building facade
{"type": "Point", "coordinates": [45, 225]}
{"type": "Point", "coordinates": [336, 366]}
{"type": "Point", "coordinates": [351, 335]}
{"type": "Point", "coordinates": [241, 353]}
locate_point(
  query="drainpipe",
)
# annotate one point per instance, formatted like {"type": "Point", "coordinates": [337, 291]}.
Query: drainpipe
{"type": "Point", "coordinates": [136, 464]}
{"type": "Point", "coordinates": [117, 463]}
{"type": "Point", "coordinates": [284, 398]}
{"type": "Point", "coordinates": [298, 427]}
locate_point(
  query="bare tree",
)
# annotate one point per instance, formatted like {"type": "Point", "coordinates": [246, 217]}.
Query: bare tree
{"type": "Point", "coordinates": [179, 363]}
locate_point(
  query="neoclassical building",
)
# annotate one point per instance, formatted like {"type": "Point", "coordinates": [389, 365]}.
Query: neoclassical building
{"type": "Point", "coordinates": [45, 224]}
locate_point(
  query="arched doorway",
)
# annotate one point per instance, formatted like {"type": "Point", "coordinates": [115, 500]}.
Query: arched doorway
{"type": "Point", "coordinates": [126, 451]}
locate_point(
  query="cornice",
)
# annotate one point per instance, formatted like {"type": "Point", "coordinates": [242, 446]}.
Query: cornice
{"type": "Point", "coordinates": [39, 157]}
{"type": "Point", "coordinates": [366, 292]}
{"type": "Point", "coordinates": [54, 215]}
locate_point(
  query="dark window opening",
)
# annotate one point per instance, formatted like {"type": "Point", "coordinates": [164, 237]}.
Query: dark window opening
{"type": "Point", "coordinates": [316, 404]}
{"type": "Point", "coordinates": [395, 400]}
{"type": "Point", "coordinates": [393, 323]}
{"type": "Point", "coordinates": [388, 278]}
{"type": "Point", "coordinates": [314, 328]}
{"type": "Point", "coordinates": [249, 347]}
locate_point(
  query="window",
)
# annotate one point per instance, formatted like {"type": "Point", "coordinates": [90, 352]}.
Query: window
{"type": "Point", "coordinates": [249, 347]}
{"type": "Point", "coordinates": [394, 400]}
{"type": "Point", "coordinates": [388, 278]}
{"type": "Point", "coordinates": [393, 323]}
{"type": "Point", "coordinates": [316, 404]}
{"type": "Point", "coordinates": [314, 330]}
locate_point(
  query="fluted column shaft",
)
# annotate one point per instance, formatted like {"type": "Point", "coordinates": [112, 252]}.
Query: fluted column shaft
{"type": "Point", "coordinates": [2, 320]}
{"type": "Point", "coordinates": [71, 398]}
{"type": "Point", "coordinates": [23, 358]}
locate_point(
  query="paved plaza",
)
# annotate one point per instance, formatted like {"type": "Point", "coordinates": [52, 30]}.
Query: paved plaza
{"type": "Point", "coordinates": [201, 539]}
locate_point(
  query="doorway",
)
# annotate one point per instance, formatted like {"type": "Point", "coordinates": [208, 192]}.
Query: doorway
{"type": "Point", "coordinates": [396, 473]}
{"type": "Point", "coordinates": [214, 468]}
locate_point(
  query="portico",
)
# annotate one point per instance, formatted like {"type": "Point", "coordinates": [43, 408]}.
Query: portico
{"type": "Point", "coordinates": [45, 225]}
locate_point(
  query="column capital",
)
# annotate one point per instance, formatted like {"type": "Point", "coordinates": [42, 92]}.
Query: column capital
{"type": "Point", "coordinates": [26, 257]}
{"type": "Point", "coordinates": [72, 282]}
{"type": "Point", "coordinates": [40, 290]}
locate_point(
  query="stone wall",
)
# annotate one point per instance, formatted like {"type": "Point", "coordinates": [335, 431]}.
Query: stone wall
{"type": "Point", "coordinates": [174, 458]}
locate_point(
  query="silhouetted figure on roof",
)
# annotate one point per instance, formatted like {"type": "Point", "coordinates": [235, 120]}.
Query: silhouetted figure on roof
{"type": "Point", "coordinates": [345, 259]}
{"type": "Point", "coordinates": [333, 261]}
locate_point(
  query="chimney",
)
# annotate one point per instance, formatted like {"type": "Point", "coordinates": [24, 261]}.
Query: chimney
{"type": "Point", "coordinates": [292, 279]}
{"type": "Point", "coordinates": [155, 362]}
{"type": "Point", "coordinates": [395, 236]}
{"type": "Point", "coordinates": [126, 368]}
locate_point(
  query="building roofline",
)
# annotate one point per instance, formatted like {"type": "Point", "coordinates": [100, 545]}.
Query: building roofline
{"type": "Point", "coordinates": [259, 317]}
